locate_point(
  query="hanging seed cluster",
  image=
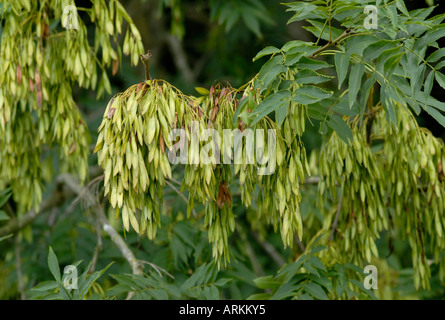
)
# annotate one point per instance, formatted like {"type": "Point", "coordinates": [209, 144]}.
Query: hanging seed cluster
{"type": "Point", "coordinates": [413, 161]}
{"type": "Point", "coordinates": [134, 144]}
{"type": "Point", "coordinates": [279, 195]}
{"type": "Point", "coordinates": [131, 148]}
{"type": "Point", "coordinates": [209, 182]}
{"type": "Point", "coordinates": [351, 173]}
{"type": "Point", "coordinates": [39, 63]}
{"type": "Point", "coordinates": [367, 182]}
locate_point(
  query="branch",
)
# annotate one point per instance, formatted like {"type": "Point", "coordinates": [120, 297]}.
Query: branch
{"type": "Point", "coordinates": [257, 269]}
{"type": "Point", "coordinates": [103, 221]}
{"type": "Point", "coordinates": [200, 64]}
{"type": "Point", "coordinates": [333, 43]}
{"type": "Point", "coordinates": [119, 242]}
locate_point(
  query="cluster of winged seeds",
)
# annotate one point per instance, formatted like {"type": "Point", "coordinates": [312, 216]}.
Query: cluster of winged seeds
{"type": "Point", "coordinates": [381, 181]}
{"type": "Point", "coordinates": [40, 61]}
{"type": "Point", "coordinates": [137, 147]}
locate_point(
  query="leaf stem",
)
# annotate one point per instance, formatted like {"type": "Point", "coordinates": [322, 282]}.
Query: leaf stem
{"type": "Point", "coordinates": [145, 58]}
{"type": "Point", "coordinates": [330, 44]}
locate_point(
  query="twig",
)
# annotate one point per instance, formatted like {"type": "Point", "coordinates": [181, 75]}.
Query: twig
{"type": "Point", "coordinates": [181, 195]}
{"type": "Point", "coordinates": [333, 43]}
{"type": "Point", "coordinates": [102, 219]}
{"type": "Point", "coordinates": [157, 268]}
{"type": "Point", "coordinates": [126, 252]}
{"type": "Point", "coordinates": [258, 270]}
{"type": "Point", "coordinates": [300, 244]}
{"type": "Point", "coordinates": [73, 204]}
{"type": "Point", "coordinates": [51, 221]}
{"type": "Point", "coordinates": [145, 58]}
{"type": "Point", "coordinates": [335, 223]}
{"type": "Point", "coordinates": [175, 181]}
{"type": "Point", "coordinates": [200, 63]}
{"type": "Point", "coordinates": [270, 249]}
{"type": "Point", "coordinates": [54, 200]}
{"type": "Point", "coordinates": [97, 249]}
{"type": "Point", "coordinates": [119, 242]}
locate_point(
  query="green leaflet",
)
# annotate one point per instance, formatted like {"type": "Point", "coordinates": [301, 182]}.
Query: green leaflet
{"type": "Point", "coordinates": [342, 66]}
{"type": "Point", "coordinates": [355, 82]}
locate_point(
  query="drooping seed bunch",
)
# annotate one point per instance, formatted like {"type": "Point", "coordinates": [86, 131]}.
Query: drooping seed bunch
{"type": "Point", "coordinates": [207, 177]}
{"type": "Point", "coordinates": [219, 218]}
{"type": "Point", "coordinates": [205, 153]}
{"type": "Point", "coordinates": [152, 125]}
{"type": "Point", "coordinates": [390, 184]}
{"type": "Point", "coordinates": [354, 178]}
{"type": "Point", "coordinates": [279, 195]}
{"type": "Point", "coordinates": [256, 151]}
{"type": "Point", "coordinates": [413, 160]}
{"type": "Point", "coordinates": [132, 148]}
{"type": "Point", "coordinates": [39, 62]}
